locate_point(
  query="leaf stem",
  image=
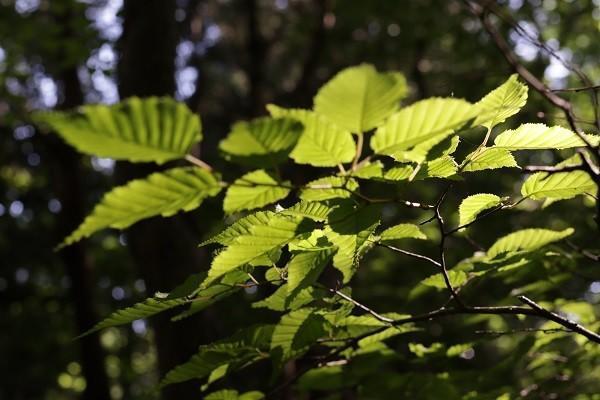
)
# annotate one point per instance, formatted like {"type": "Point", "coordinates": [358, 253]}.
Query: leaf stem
{"type": "Point", "coordinates": [198, 162]}
{"type": "Point", "coordinates": [359, 146]}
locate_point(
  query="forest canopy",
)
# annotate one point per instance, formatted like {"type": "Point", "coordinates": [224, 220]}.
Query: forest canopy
{"type": "Point", "coordinates": [300, 199]}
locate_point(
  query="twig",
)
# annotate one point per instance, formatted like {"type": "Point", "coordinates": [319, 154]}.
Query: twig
{"type": "Point", "coordinates": [524, 330]}
{"type": "Point", "coordinates": [359, 146]}
{"type": "Point", "coordinates": [577, 89]}
{"type": "Point", "coordinates": [361, 306]}
{"type": "Point", "coordinates": [527, 76]}
{"type": "Point", "coordinates": [551, 169]}
{"type": "Point", "coordinates": [442, 246]}
{"type": "Point", "coordinates": [198, 162]}
{"type": "Point", "coordinates": [572, 325]}
{"type": "Point", "coordinates": [411, 254]}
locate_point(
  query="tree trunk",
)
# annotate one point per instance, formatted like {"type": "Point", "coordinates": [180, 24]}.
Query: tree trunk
{"type": "Point", "coordinates": [164, 250]}
{"type": "Point", "coordinates": [67, 179]}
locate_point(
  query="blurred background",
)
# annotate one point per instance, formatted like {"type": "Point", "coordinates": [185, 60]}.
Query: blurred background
{"type": "Point", "coordinates": [227, 59]}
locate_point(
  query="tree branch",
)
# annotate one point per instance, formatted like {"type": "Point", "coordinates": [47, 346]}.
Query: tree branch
{"type": "Point", "coordinates": [411, 254]}
{"type": "Point", "coordinates": [567, 323]}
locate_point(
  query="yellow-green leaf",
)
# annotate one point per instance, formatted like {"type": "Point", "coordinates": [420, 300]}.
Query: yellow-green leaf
{"type": "Point", "coordinates": [360, 98]}
{"type": "Point", "coordinates": [322, 143]}
{"type": "Point", "coordinates": [422, 125]}
{"type": "Point", "coordinates": [473, 205]}
{"type": "Point", "coordinates": [254, 190]}
{"type": "Point", "coordinates": [138, 130]}
{"type": "Point", "coordinates": [501, 103]}
{"type": "Point", "coordinates": [162, 193]}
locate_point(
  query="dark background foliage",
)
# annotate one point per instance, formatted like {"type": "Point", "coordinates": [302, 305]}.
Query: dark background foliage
{"type": "Point", "coordinates": [227, 59]}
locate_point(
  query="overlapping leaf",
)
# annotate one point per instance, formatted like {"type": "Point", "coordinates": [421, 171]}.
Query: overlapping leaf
{"type": "Point", "coordinates": [402, 231]}
{"type": "Point", "coordinates": [138, 130]}
{"type": "Point", "coordinates": [296, 331]}
{"type": "Point", "coordinates": [561, 185]}
{"type": "Point", "coordinates": [314, 210]}
{"type": "Point", "coordinates": [489, 158]}
{"type": "Point", "coordinates": [330, 187]}
{"type": "Point", "coordinates": [262, 141]}
{"type": "Point", "coordinates": [501, 103]}
{"type": "Point", "coordinates": [527, 240]}
{"type": "Point", "coordinates": [257, 240]}
{"type": "Point", "coordinates": [304, 268]}
{"type": "Point", "coordinates": [421, 125]}
{"type": "Point", "coordinates": [351, 231]}
{"type": "Point", "coordinates": [322, 143]}
{"type": "Point", "coordinates": [540, 136]}
{"type": "Point", "coordinates": [254, 190]}
{"type": "Point", "coordinates": [237, 351]}
{"type": "Point", "coordinates": [162, 193]}
{"type": "Point", "coordinates": [144, 309]}
{"type": "Point", "coordinates": [359, 98]}
{"type": "Point", "coordinates": [240, 227]}
{"type": "Point", "coordinates": [473, 205]}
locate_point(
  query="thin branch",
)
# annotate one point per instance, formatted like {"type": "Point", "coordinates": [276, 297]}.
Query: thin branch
{"type": "Point", "coordinates": [526, 75]}
{"type": "Point", "coordinates": [572, 325]}
{"type": "Point", "coordinates": [198, 162]}
{"type": "Point", "coordinates": [551, 169]}
{"type": "Point", "coordinates": [533, 310]}
{"type": "Point", "coordinates": [578, 89]}
{"type": "Point", "coordinates": [411, 254]}
{"type": "Point", "coordinates": [361, 306]}
{"type": "Point", "coordinates": [583, 252]}
{"type": "Point", "coordinates": [477, 219]}
{"type": "Point", "coordinates": [442, 246]}
{"type": "Point", "coordinates": [524, 330]}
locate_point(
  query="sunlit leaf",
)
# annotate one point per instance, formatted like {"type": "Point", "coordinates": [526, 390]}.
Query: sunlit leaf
{"type": "Point", "coordinates": [138, 130]}
{"type": "Point", "coordinates": [501, 103]}
{"type": "Point", "coordinates": [254, 190]}
{"type": "Point", "coordinates": [359, 98]}
{"type": "Point", "coordinates": [162, 193]}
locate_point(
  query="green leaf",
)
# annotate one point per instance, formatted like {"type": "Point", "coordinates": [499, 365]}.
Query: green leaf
{"type": "Point", "coordinates": [238, 351]}
{"type": "Point", "coordinates": [351, 230]}
{"type": "Point", "coordinates": [442, 167]}
{"type": "Point", "coordinates": [402, 231]}
{"type": "Point", "coordinates": [240, 227]}
{"type": "Point", "coordinates": [138, 130]}
{"type": "Point", "coordinates": [422, 125]}
{"type": "Point", "coordinates": [370, 170]}
{"type": "Point", "coordinates": [144, 309]}
{"type": "Point", "coordinates": [261, 141]}
{"type": "Point", "coordinates": [322, 143]}
{"type": "Point", "coordinates": [162, 193]}
{"type": "Point", "coordinates": [309, 209]}
{"type": "Point", "coordinates": [437, 281]}
{"type": "Point", "coordinates": [473, 205]}
{"type": "Point", "coordinates": [227, 394]}
{"type": "Point", "coordinates": [254, 190]}
{"type": "Point", "coordinates": [296, 331]}
{"type": "Point", "coordinates": [385, 334]}
{"type": "Point", "coordinates": [501, 103]}
{"type": "Point", "coordinates": [304, 268]}
{"type": "Point", "coordinates": [284, 299]}
{"type": "Point", "coordinates": [489, 158]}
{"type": "Point", "coordinates": [330, 187]}
{"type": "Point", "coordinates": [527, 240]}
{"type": "Point", "coordinates": [260, 239]}
{"type": "Point", "coordinates": [317, 241]}
{"type": "Point", "coordinates": [359, 98]}
{"type": "Point", "coordinates": [540, 136]}
{"type": "Point", "coordinates": [559, 186]}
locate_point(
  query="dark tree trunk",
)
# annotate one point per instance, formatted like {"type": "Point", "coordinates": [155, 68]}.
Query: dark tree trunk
{"type": "Point", "coordinates": [67, 181]}
{"type": "Point", "coordinates": [164, 250]}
